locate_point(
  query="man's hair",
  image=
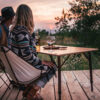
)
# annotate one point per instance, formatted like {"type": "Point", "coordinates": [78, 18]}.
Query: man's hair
{"type": "Point", "coordinates": [7, 13]}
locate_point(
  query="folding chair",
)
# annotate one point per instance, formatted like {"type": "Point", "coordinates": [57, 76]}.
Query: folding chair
{"type": "Point", "coordinates": [21, 72]}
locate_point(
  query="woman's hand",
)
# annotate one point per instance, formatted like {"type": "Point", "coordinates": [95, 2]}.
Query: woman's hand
{"type": "Point", "coordinates": [48, 63]}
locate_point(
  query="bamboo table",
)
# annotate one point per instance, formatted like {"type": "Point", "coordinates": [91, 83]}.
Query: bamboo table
{"type": "Point", "coordinates": [68, 51]}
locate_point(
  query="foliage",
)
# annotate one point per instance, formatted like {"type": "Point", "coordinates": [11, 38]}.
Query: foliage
{"type": "Point", "coordinates": [76, 62]}
{"type": "Point", "coordinates": [85, 15]}
{"type": "Point", "coordinates": [87, 23]}
{"type": "Point", "coordinates": [62, 22]}
{"type": "Point", "coordinates": [42, 32]}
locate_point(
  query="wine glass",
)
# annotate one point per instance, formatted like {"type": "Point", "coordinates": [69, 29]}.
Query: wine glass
{"type": "Point", "coordinates": [50, 40]}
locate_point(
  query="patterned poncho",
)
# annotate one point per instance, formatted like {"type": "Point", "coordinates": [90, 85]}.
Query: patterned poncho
{"type": "Point", "coordinates": [24, 46]}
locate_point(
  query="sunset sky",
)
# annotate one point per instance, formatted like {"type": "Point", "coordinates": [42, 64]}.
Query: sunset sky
{"type": "Point", "coordinates": [44, 11]}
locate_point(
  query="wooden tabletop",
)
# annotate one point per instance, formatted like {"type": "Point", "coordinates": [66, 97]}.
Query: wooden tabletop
{"type": "Point", "coordinates": [65, 51]}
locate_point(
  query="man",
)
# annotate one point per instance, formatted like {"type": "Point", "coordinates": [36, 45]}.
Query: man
{"type": "Point", "coordinates": [7, 15]}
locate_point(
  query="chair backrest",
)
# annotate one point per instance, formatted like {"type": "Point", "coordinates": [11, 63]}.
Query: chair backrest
{"type": "Point", "coordinates": [18, 69]}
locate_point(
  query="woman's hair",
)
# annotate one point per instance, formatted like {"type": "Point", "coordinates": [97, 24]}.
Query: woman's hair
{"type": "Point", "coordinates": [24, 17]}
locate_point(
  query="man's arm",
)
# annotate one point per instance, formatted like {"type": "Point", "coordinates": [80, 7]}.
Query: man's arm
{"type": "Point", "coordinates": [0, 33]}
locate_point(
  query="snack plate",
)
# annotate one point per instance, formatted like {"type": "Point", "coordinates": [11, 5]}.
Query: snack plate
{"type": "Point", "coordinates": [54, 47]}
{"type": "Point", "coordinates": [51, 47]}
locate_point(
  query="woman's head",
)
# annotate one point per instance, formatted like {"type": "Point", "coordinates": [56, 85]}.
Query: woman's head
{"type": "Point", "coordinates": [24, 17]}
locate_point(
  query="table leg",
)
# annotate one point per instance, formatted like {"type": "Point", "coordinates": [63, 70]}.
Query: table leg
{"type": "Point", "coordinates": [59, 78]}
{"type": "Point", "coordinates": [91, 74]}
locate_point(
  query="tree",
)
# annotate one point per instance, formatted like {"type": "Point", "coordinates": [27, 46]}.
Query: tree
{"type": "Point", "coordinates": [62, 22]}
{"type": "Point", "coordinates": [85, 15]}
{"type": "Point", "coordinates": [87, 21]}
{"type": "Point", "coordinates": [42, 32]}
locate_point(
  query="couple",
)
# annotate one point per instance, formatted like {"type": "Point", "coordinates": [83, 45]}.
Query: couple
{"type": "Point", "coordinates": [20, 41]}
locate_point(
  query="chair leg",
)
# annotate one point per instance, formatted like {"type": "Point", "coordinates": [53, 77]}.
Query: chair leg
{"type": "Point", "coordinates": [5, 82]}
{"type": "Point", "coordinates": [3, 69]}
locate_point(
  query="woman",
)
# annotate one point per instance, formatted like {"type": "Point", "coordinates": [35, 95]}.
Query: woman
{"type": "Point", "coordinates": [23, 45]}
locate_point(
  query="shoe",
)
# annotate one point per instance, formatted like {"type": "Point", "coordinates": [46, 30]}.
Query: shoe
{"type": "Point", "coordinates": [38, 97]}
{"type": "Point", "coordinates": [29, 92]}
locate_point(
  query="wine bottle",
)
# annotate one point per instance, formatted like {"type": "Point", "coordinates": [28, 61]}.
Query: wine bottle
{"type": "Point", "coordinates": [37, 42]}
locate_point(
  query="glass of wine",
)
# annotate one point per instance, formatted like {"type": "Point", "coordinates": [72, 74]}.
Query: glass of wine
{"type": "Point", "coordinates": [50, 41]}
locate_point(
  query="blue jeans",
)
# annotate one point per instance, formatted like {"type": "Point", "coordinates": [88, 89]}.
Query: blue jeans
{"type": "Point", "coordinates": [45, 77]}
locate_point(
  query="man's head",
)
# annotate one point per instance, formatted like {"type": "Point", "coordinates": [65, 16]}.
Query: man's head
{"type": "Point", "coordinates": [7, 15]}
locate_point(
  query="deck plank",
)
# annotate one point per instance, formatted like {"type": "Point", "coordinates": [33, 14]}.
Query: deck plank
{"type": "Point", "coordinates": [3, 76]}
{"type": "Point", "coordinates": [85, 83]}
{"type": "Point", "coordinates": [20, 95]}
{"type": "Point", "coordinates": [96, 79]}
{"type": "Point", "coordinates": [75, 86]}
{"type": "Point", "coordinates": [75, 89]}
{"type": "Point", "coordinates": [97, 72]}
{"type": "Point", "coordinates": [64, 94]}
{"type": "Point", "coordinates": [48, 92]}
{"type": "Point", "coordinates": [13, 95]}
{"type": "Point", "coordinates": [3, 89]}
{"type": "Point", "coordinates": [7, 93]}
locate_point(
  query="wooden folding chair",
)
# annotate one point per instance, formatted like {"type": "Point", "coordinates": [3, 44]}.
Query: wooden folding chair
{"type": "Point", "coordinates": [21, 72]}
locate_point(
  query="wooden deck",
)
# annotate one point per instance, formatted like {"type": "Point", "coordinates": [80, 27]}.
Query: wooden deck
{"type": "Point", "coordinates": [75, 86]}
